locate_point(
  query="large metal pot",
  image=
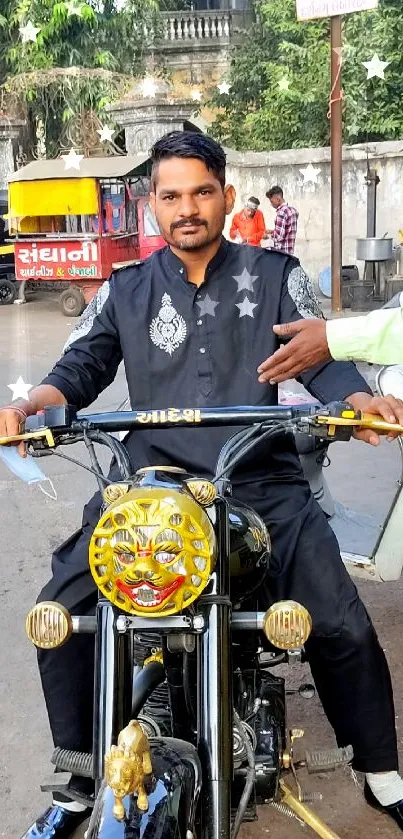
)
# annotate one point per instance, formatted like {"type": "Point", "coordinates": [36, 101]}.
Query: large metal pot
{"type": "Point", "coordinates": [374, 249]}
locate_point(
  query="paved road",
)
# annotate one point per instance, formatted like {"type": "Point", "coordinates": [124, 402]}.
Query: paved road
{"type": "Point", "coordinates": [31, 337]}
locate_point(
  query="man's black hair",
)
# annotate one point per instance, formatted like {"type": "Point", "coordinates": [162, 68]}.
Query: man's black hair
{"type": "Point", "coordinates": [189, 144]}
{"type": "Point", "coordinates": [253, 198]}
{"type": "Point", "coordinates": [274, 190]}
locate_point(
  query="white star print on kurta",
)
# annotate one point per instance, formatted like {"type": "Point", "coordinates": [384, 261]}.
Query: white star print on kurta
{"type": "Point", "coordinates": [245, 280]}
{"type": "Point", "coordinates": [207, 306]}
{"type": "Point", "coordinates": [20, 389]}
{"type": "Point", "coordinates": [246, 308]}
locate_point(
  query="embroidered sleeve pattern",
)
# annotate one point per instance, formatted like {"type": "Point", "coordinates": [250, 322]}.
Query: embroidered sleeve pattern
{"type": "Point", "coordinates": [84, 324]}
{"type": "Point", "coordinates": [301, 291]}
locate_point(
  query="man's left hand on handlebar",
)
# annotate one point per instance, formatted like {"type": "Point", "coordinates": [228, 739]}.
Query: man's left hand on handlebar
{"type": "Point", "coordinates": [308, 348]}
{"type": "Point", "coordinates": [388, 407]}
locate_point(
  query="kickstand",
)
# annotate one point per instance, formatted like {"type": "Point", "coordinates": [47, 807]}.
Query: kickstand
{"type": "Point", "coordinates": [305, 813]}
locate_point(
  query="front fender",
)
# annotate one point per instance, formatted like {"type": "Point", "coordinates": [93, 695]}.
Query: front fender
{"type": "Point", "coordinates": [172, 794]}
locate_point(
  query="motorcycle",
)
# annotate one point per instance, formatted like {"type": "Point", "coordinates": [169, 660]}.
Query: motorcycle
{"type": "Point", "coordinates": [190, 726]}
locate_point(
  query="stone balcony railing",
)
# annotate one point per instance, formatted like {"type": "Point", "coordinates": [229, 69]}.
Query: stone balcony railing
{"type": "Point", "coordinates": [198, 27]}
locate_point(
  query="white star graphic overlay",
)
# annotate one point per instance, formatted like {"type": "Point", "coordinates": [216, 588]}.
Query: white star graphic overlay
{"type": "Point", "coordinates": [72, 160]}
{"type": "Point", "coordinates": [284, 83]}
{"type": "Point", "coordinates": [19, 389]}
{"type": "Point", "coordinates": [246, 308]}
{"type": "Point", "coordinates": [310, 174]}
{"type": "Point", "coordinates": [353, 129]}
{"type": "Point", "coordinates": [29, 32]}
{"type": "Point", "coordinates": [207, 306]}
{"type": "Point", "coordinates": [148, 88]}
{"type": "Point", "coordinates": [224, 88]}
{"type": "Point", "coordinates": [105, 134]}
{"type": "Point", "coordinates": [74, 8]}
{"type": "Point", "coordinates": [245, 280]}
{"type": "Point", "coordinates": [375, 67]}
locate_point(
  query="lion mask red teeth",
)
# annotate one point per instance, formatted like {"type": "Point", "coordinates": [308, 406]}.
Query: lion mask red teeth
{"type": "Point", "coordinates": [153, 551]}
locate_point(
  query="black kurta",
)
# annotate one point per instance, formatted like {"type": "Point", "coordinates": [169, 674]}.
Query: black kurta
{"type": "Point", "coordinates": [184, 346]}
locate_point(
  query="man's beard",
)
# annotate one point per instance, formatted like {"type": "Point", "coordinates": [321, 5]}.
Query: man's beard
{"type": "Point", "coordinates": [191, 242]}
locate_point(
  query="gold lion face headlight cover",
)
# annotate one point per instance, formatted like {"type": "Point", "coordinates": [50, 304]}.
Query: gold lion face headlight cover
{"type": "Point", "coordinates": [153, 551]}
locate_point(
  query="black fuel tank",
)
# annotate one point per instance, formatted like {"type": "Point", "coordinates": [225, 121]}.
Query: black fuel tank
{"type": "Point", "coordinates": [250, 550]}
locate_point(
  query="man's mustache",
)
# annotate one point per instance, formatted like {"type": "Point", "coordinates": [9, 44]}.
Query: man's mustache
{"type": "Point", "coordinates": [195, 222]}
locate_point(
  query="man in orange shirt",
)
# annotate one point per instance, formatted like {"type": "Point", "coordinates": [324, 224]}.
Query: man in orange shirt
{"type": "Point", "coordinates": [248, 227]}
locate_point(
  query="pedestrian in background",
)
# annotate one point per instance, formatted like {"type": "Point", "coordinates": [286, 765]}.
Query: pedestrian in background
{"type": "Point", "coordinates": [285, 228]}
{"type": "Point", "coordinates": [248, 227]}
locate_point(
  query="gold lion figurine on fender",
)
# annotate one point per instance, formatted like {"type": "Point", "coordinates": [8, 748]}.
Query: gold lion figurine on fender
{"type": "Point", "coordinates": [126, 766]}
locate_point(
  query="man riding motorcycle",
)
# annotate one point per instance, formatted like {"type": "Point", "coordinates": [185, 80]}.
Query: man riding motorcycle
{"type": "Point", "coordinates": [192, 324]}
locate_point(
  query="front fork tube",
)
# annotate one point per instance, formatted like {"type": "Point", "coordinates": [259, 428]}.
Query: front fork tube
{"type": "Point", "coordinates": [112, 687]}
{"type": "Point", "coordinates": [214, 706]}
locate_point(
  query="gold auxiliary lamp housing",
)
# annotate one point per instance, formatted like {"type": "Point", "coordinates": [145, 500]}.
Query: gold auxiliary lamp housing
{"type": "Point", "coordinates": [287, 625]}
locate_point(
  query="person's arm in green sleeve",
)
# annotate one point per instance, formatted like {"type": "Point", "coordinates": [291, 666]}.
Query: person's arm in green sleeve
{"type": "Point", "coordinates": [376, 338]}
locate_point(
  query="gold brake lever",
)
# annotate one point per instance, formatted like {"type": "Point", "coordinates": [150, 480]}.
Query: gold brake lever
{"type": "Point", "coordinates": [43, 434]}
{"type": "Point", "coordinates": [362, 420]}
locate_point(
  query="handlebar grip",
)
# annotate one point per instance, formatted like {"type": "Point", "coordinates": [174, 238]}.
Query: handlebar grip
{"type": "Point", "coordinates": [377, 423]}
{"type": "Point", "coordinates": [357, 419]}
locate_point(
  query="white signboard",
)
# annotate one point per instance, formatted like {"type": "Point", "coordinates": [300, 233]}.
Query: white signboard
{"type": "Point", "coordinates": [308, 9]}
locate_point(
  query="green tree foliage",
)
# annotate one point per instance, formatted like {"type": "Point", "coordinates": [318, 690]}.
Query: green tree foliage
{"type": "Point", "coordinates": [80, 61]}
{"type": "Point", "coordinates": [260, 113]}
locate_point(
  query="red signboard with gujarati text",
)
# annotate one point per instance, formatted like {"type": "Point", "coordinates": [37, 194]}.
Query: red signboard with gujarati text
{"type": "Point", "coordinates": [67, 261]}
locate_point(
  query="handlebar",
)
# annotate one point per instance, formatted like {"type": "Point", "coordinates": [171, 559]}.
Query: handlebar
{"type": "Point", "coordinates": [60, 424]}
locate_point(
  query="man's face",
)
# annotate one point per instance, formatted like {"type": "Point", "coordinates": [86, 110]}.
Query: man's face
{"type": "Point", "coordinates": [276, 201]}
{"type": "Point", "coordinates": [249, 213]}
{"type": "Point", "coordinates": [190, 204]}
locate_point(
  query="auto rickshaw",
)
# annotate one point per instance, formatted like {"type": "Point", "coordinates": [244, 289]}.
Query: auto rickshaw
{"type": "Point", "coordinates": [75, 226]}
{"type": "Point", "coordinates": [8, 288]}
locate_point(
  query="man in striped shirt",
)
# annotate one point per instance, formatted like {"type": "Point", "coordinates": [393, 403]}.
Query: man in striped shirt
{"type": "Point", "coordinates": [285, 228]}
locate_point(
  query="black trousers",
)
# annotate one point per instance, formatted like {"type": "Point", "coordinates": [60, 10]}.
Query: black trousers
{"type": "Point", "coordinates": [348, 665]}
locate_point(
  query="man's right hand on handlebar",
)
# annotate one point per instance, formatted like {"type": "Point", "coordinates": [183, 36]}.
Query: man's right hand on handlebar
{"type": "Point", "coordinates": [12, 422]}
{"type": "Point", "coordinates": [12, 417]}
